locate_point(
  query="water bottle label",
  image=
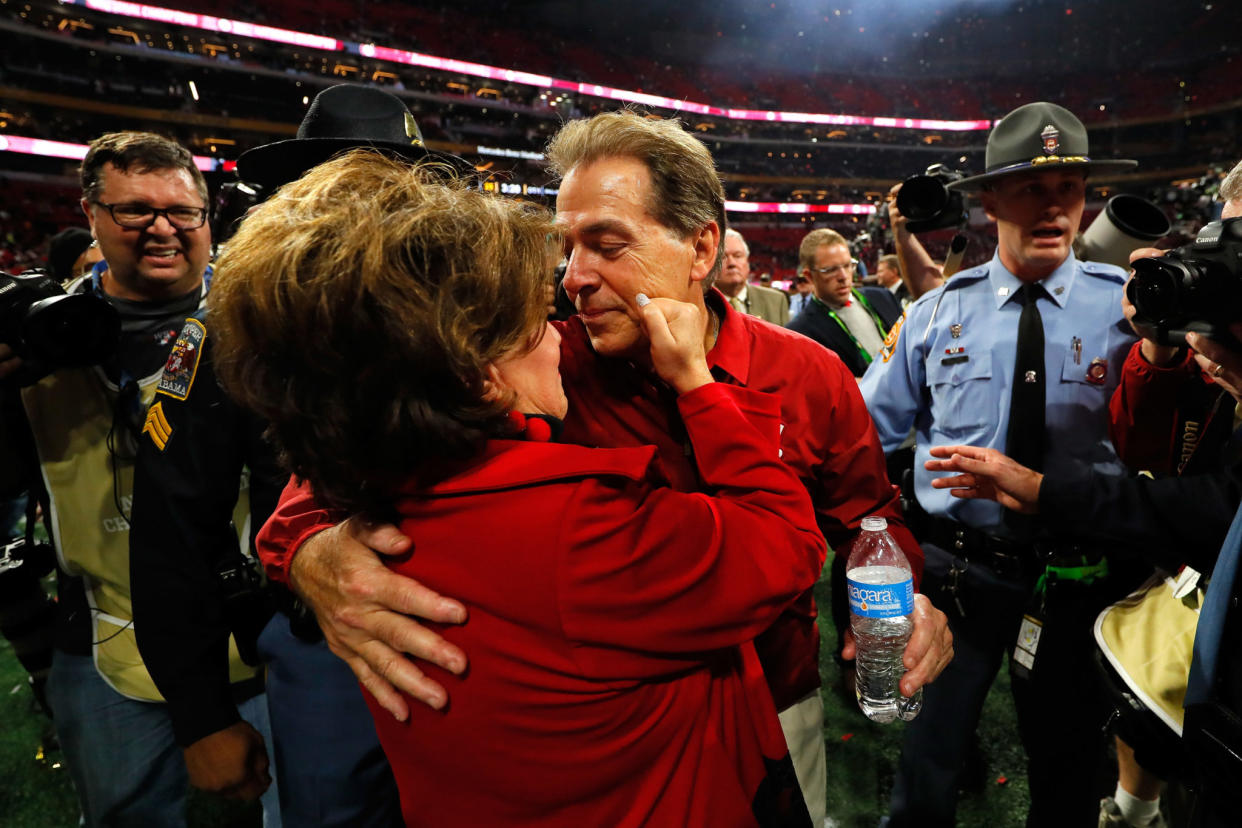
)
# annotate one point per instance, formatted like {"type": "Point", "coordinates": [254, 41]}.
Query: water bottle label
{"type": "Point", "coordinates": [881, 600]}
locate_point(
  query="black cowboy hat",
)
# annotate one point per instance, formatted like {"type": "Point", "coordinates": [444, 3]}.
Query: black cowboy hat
{"type": "Point", "coordinates": [341, 117]}
{"type": "Point", "coordinates": [1038, 136]}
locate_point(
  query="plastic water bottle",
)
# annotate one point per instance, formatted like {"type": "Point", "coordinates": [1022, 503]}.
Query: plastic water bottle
{"type": "Point", "coordinates": [881, 593]}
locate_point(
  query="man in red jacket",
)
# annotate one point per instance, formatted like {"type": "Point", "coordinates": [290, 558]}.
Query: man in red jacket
{"type": "Point", "coordinates": [641, 210]}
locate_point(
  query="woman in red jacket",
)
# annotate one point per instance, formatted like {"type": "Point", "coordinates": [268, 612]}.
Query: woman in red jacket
{"type": "Point", "coordinates": [390, 327]}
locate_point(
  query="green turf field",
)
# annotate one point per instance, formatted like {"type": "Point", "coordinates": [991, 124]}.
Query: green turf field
{"type": "Point", "coordinates": [36, 792]}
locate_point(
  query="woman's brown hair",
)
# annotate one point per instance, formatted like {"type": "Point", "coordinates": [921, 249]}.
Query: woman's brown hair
{"type": "Point", "coordinates": [357, 311]}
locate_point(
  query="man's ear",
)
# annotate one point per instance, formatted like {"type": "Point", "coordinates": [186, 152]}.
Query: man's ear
{"type": "Point", "coordinates": [90, 216]}
{"type": "Point", "coordinates": [706, 246]}
{"type": "Point", "coordinates": [988, 199]}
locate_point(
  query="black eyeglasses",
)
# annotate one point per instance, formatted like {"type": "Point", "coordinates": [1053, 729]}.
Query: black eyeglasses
{"type": "Point", "coordinates": [139, 216]}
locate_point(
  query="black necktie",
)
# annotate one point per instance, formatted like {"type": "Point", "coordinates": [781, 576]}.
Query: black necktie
{"type": "Point", "coordinates": [1025, 439]}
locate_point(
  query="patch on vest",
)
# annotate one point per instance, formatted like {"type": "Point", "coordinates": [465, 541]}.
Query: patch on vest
{"type": "Point", "coordinates": [157, 425]}
{"type": "Point", "coordinates": [182, 365]}
{"type": "Point", "coordinates": [890, 341]}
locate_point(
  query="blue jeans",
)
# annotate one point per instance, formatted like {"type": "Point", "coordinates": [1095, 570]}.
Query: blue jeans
{"type": "Point", "coordinates": [332, 769]}
{"type": "Point", "coordinates": [125, 763]}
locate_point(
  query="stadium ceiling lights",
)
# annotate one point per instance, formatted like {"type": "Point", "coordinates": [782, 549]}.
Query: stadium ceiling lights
{"type": "Point", "coordinates": [239, 28]}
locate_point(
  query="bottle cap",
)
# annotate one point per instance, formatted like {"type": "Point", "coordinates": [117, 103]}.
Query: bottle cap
{"type": "Point", "coordinates": [874, 524]}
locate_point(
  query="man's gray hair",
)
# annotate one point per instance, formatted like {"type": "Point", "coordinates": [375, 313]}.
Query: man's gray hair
{"type": "Point", "coordinates": [686, 193]}
{"type": "Point", "coordinates": [739, 237]}
{"type": "Point", "coordinates": [1231, 187]}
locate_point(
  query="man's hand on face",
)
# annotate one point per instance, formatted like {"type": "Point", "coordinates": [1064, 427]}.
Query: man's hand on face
{"type": "Point", "coordinates": [231, 762]}
{"type": "Point", "coordinates": [365, 610]}
{"type": "Point", "coordinates": [675, 330]}
{"type": "Point", "coordinates": [927, 653]}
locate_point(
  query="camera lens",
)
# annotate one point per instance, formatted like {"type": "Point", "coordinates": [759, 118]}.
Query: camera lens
{"type": "Point", "coordinates": [922, 197]}
{"type": "Point", "coordinates": [1156, 289]}
{"type": "Point", "coordinates": [81, 329]}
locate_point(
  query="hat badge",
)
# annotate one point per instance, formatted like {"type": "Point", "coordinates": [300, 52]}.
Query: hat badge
{"type": "Point", "coordinates": [1051, 136]}
{"type": "Point", "coordinates": [412, 131]}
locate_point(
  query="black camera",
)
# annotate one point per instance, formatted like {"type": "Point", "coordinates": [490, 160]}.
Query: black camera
{"type": "Point", "coordinates": [22, 560]}
{"type": "Point", "coordinates": [1197, 287]}
{"type": "Point", "coordinates": [27, 613]}
{"type": "Point", "coordinates": [928, 204]}
{"type": "Point", "coordinates": [247, 606]}
{"type": "Point", "coordinates": [50, 329]}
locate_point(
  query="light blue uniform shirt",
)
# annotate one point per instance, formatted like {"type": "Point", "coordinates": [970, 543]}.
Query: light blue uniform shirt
{"type": "Point", "coordinates": [949, 373]}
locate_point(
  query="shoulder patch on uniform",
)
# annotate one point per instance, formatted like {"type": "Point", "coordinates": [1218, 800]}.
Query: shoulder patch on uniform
{"type": "Point", "coordinates": [182, 365]}
{"type": "Point", "coordinates": [1103, 270]}
{"type": "Point", "coordinates": [157, 426]}
{"type": "Point", "coordinates": [890, 341]}
{"type": "Point", "coordinates": [966, 277]}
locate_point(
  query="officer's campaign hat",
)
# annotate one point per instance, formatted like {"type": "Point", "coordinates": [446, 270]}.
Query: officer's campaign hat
{"type": "Point", "coordinates": [340, 118]}
{"type": "Point", "coordinates": [1038, 136]}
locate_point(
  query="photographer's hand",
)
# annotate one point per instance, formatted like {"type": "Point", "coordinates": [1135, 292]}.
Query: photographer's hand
{"type": "Point", "coordinates": [231, 762]}
{"type": "Point", "coordinates": [918, 271]}
{"type": "Point", "coordinates": [1218, 362]}
{"type": "Point", "coordinates": [988, 474]}
{"type": "Point", "coordinates": [9, 361]}
{"type": "Point", "coordinates": [1153, 352]}
{"type": "Point", "coordinates": [896, 220]}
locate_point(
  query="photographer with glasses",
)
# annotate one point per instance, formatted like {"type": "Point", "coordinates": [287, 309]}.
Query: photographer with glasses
{"type": "Point", "coordinates": [126, 749]}
{"type": "Point", "coordinates": [852, 322]}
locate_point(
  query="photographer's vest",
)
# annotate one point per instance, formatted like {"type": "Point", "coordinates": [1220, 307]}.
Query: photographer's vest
{"type": "Point", "coordinates": [71, 415]}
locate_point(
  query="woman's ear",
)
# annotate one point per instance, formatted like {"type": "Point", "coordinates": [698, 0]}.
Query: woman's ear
{"type": "Point", "coordinates": [494, 386]}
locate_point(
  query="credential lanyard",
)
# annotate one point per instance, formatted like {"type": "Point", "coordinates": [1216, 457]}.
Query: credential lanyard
{"type": "Point", "coordinates": [879, 326]}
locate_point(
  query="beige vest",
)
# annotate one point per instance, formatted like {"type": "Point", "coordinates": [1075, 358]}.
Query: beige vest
{"type": "Point", "coordinates": [70, 414]}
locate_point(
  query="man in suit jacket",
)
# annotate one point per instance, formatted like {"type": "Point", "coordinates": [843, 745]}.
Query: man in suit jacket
{"type": "Point", "coordinates": [801, 299]}
{"type": "Point", "coordinates": [888, 276]}
{"type": "Point", "coordinates": [852, 322]}
{"type": "Point", "coordinates": [766, 303]}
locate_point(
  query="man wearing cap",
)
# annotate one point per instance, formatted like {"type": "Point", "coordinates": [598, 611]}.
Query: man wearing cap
{"type": "Point", "coordinates": [1020, 354]}
{"type": "Point", "coordinates": [71, 253]}
{"type": "Point", "coordinates": [330, 768]}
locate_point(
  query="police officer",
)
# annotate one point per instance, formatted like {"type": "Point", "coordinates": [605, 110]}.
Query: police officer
{"type": "Point", "coordinates": [1019, 354]}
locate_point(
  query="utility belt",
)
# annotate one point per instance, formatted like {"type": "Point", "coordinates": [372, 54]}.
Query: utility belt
{"type": "Point", "coordinates": [1060, 576]}
{"type": "Point", "coordinates": [1040, 562]}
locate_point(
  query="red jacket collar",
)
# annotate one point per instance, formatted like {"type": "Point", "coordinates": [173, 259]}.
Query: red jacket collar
{"type": "Point", "coordinates": [731, 352]}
